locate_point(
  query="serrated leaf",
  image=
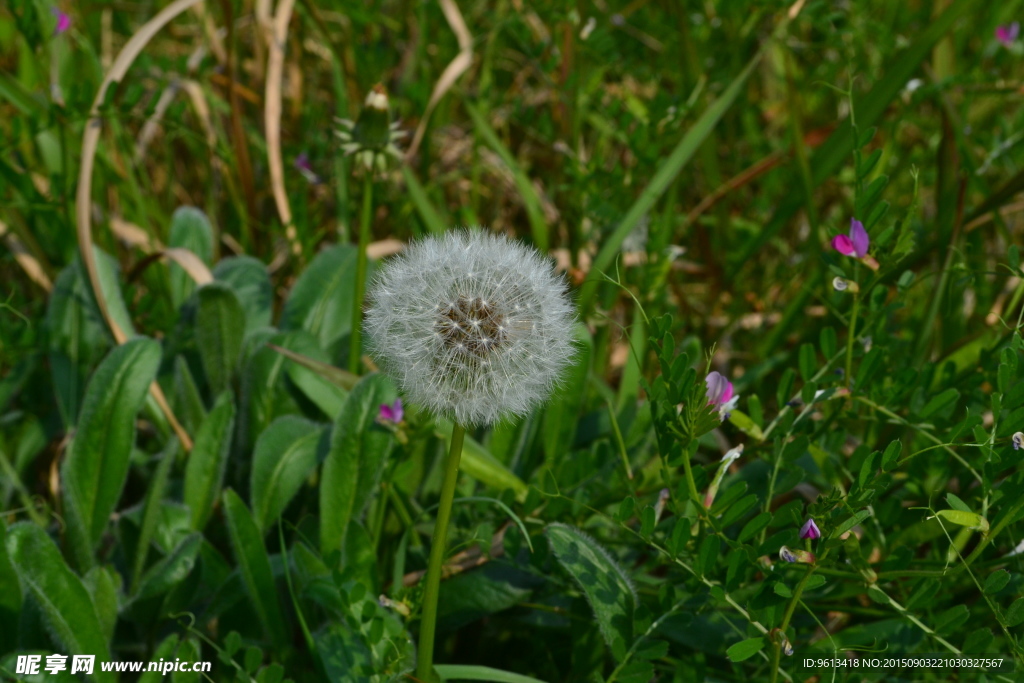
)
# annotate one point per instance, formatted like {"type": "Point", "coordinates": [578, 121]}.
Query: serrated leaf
{"type": "Point", "coordinates": [204, 472]}
{"type": "Point", "coordinates": [604, 583]}
{"type": "Point", "coordinates": [96, 467]}
{"type": "Point", "coordinates": [285, 455]}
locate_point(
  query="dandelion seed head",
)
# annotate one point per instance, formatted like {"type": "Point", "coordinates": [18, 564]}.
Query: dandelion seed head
{"type": "Point", "coordinates": [472, 326]}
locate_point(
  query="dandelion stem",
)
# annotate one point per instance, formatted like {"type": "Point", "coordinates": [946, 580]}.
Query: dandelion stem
{"type": "Point", "coordinates": [355, 345]}
{"type": "Point", "coordinates": [432, 586]}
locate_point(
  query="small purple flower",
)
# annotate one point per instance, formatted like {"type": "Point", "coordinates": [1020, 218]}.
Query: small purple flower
{"type": "Point", "coordinates": [810, 530]}
{"type": "Point", "coordinates": [392, 412]}
{"type": "Point", "coordinates": [801, 556]}
{"type": "Point", "coordinates": [1018, 440]}
{"type": "Point", "coordinates": [63, 21]}
{"type": "Point", "coordinates": [856, 244]}
{"type": "Point", "coordinates": [719, 388]}
{"type": "Point", "coordinates": [1007, 34]}
{"type": "Point", "coordinates": [303, 166]}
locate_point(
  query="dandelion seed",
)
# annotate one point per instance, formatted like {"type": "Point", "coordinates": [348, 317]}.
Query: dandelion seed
{"type": "Point", "coordinates": [810, 530]}
{"type": "Point", "coordinates": [476, 358]}
{"type": "Point", "coordinates": [1018, 440]}
{"type": "Point", "coordinates": [1007, 33]}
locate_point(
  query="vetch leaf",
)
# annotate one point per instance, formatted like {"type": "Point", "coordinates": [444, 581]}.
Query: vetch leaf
{"type": "Point", "coordinates": [940, 402]}
{"type": "Point", "coordinates": [996, 581]}
{"type": "Point", "coordinates": [745, 649]}
{"type": "Point", "coordinates": [96, 466]}
{"type": "Point", "coordinates": [606, 586]}
{"type": "Point", "coordinates": [851, 522]}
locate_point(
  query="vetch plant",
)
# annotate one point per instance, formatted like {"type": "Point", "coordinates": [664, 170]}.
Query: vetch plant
{"type": "Point", "coordinates": [475, 328]}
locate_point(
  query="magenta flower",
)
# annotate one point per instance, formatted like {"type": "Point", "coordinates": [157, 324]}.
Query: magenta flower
{"type": "Point", "coordinates": [303, 166]}
{"type": "Point", "coordinates": [810, 530]}
{"type": "Point", "coordinates": [719, 388]}
{"type": "Point", "coordinates": [392, 413]}
{"type": "Point", "coordinates": [63, 21]}
{"type": "Point", "coordinates": [1008, 33]}
{"type": "Point", "coordinates": [856, 244]}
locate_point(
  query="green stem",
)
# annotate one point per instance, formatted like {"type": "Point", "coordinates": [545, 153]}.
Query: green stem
{"type": "Point", "coordinates": [850, 338]}
{"type": "Point", "coordinates": [432, 587]}
{"type": "Point", "coordinates": [355, 346]}
{"type": "Point", "coordinates": [794, 601]}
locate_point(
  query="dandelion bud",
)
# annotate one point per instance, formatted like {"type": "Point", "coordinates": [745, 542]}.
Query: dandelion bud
{"type": "Point", "coordinates": [373, 136]}
{"type": "Point", "coordinates": [842, 285]}
{"type": "Point", "coordinates": [472, 326]}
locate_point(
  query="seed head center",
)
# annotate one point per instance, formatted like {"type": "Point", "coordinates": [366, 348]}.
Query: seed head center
{"type": "Point", "coordinates": [471, 325]}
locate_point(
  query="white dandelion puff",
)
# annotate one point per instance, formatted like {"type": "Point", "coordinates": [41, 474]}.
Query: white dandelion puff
{"type": "Point", "coordinates": [472, 326]}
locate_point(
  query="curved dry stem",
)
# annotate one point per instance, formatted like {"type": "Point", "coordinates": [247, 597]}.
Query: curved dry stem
{"type": "Point", "coordinates": [272, 117]}
{"type": "Point", "coordinates": [90, 143]}
{"type": "Point", "coordinates": [456, 68]}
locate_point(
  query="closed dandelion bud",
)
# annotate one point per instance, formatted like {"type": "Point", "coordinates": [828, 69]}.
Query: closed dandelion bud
{"type": "Point", "coordinates": [373, 137]}
{"type": "Point", "coordinates": [472, 326]}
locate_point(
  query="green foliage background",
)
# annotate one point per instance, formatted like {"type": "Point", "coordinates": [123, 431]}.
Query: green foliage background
{"type": "Point", "coordinates": [688, 165]}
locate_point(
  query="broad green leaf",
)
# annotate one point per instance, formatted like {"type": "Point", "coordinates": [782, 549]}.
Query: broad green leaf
{"type": "Point", "coordinates": [165, 650]}
{"type": "Point", "coordinates": [171, 570]}
{"type": "Point", "coordinates": [321, 300]}
{"type": "Point", "coordinates": [77, 335]}
{"type": "Point", "coordinates": [264, 390]}
{"type": "Point", "coordinates": [254, 566]}
{"type": "Point", "coordinates": [561, 413]}
{"type": "Point", "coordinates": [96, 466]}
{"type": "Point", "coordinates": [204, 472]}
{"type": "Point", "coordinates": [220, 326]}
{"type": "Point", "coordinates": [247, 277]}
{"type": "Point", "coordinates": [187, 402]}
{"type": "Point", "coordinates": [754, 526]}
{"type": "Point", "coordinates": [322, 383]}
{"type": "Point", "coordinates": [478, 463]}
{"type": "Point", "coordinates": [104, 584]}
{"type": "Point", "coordinates": [459, 672]}
{"type": "Point", "coordinates": [66, 607]}
{"type": "Point", "coordinates": [151, 509]}
{"type": "Point", "coordinates": [285, 455]}
{"type": "Point", "coordinates": [471, 596]}
{"type": "Point", "coordinates": [355, 461]}
{"type": "Point", "coordinates": [606, 586]}
{"type": "Point", "coordinates": [971, 520]}
{"type": "Point", "coordinates": [745, 649]}
{"type": "Point", "coordinates": [190, 229]}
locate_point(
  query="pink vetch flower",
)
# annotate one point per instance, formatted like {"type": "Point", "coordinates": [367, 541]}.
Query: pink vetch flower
{"type": "Point", "coordinates": [855, 244]}
{"type": "Point", "coordinates": [720, 393]}
{"type": "Point", "coordinates": [810, 530]}
{"type": "Point", "coordinates": [1007, 33]}
{"type": "Point", "coordinates": [392, 413]}
{"type": "Point", "coordinates": [63, 21]}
